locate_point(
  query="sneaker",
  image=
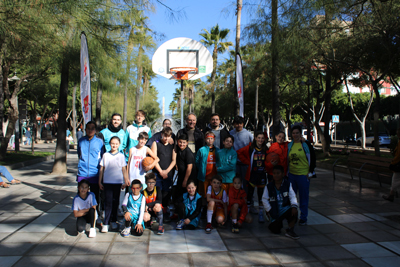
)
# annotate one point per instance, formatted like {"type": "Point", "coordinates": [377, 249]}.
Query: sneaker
{"type": "Point", "coordinates": [290, 233]}
{"type": "Point", "coordinates": [92, 232]}
{"type": "Point", "coordinates": [261, 217]}
{"type": "Point", "coordinates": [114, 226]}
{"type": "Point", "coordinates": [104, 229]}
{"type": "Point", "coordinates": [179, 225]}
{"type": "Point", "coordinates": [208, 228]}
{"type": "Point", "coordinates": [235, 228]}
{"type": "Point", "coordinates": [126, 232]}
{"type": "Point", "coordinates": [302, 222]}
{"type": "Point", "coordinates": [160, 230]}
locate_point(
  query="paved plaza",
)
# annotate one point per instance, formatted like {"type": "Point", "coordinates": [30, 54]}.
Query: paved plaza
{"type": "Point", "coordinates": [346, 227]}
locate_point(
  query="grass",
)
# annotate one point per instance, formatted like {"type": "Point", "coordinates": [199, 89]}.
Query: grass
{"type": "Point", "coordinates": [21, 156]}
{"type": "Point", "coordinates": [334, 155]}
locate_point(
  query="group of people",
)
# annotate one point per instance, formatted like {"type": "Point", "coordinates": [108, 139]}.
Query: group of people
{"type": "Point", "coordinates": [211, 174]}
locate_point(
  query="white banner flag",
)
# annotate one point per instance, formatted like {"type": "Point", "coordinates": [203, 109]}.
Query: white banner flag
{"type": "Point", "coordinates": [239, 84]}
{"type": "Point", "coordinates": [86, 100]}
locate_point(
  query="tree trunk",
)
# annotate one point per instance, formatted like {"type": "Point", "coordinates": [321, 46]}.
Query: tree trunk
{"type": "Point", "coordinates": [98, 107]}
{"type": "Point", "coordinates": [275, 70]}
{"type": "Point", "coordinates": [376, 119]}
{"type": "Point", "coordinates": [2, 53]}
{"type": "Point", "coordinates": [125, 104]}
{"type": "Point", "coordinates": [60, 161]}
{"type": "Point", "coordinates": [139, 78]}
{"type": "Point", "coordinates": [213, 103]}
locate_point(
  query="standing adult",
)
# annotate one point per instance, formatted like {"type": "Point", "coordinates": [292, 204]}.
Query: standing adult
{"type": "Point", "coordinates": [195, 136]}
{"type": "Point", "coordinates": [218, 129]}
{"type": "Point", "coordinates": [158, 136]}
{"type": "Point", "coordinates": [28, 136]}
{"type": "Point", "coordinates": [302, 162]}
{"type": "Point", "coordinates": [396, 173]}
{"type": "Point", "coordinates": [79, 134]}
{"type": "Point", "coordinates": [90, 151]}
{"type": "Point", "coordinates": [132, 132]}
{"type": "Point", "coordinates": [113, 129]}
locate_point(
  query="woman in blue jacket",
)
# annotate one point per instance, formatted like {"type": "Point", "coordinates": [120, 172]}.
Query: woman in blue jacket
{"type": "Point", "coordinates": [226, 162]}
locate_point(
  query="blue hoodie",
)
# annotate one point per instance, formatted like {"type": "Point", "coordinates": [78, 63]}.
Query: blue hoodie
{"type": "Point", "coordinates": [201, 162]}
{"type": "Point", "coordinates": [226, 164]}
{"type": "Point", "coordinates": [131, 136]}
{"type": "Point", "coordinates": [90, 153]}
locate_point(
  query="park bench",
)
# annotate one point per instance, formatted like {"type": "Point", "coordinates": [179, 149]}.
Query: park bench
{"type": "Point", "coordinates": [370, 166]}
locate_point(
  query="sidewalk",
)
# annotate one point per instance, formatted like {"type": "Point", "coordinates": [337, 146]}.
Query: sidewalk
{"type": "Point", "coordinates": [346, 227]}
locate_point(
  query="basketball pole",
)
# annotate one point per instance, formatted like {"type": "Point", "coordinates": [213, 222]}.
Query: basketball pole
{"type": "Point", "coordinates": [181, 104]}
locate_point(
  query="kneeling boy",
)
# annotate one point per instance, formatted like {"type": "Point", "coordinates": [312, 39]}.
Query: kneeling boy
{"type": "Point", "coordinates": [217, 203]}
{"type": "Point", "coordinates": [153, 197]}
{"type": "Point", "coordinates": [280, 203]}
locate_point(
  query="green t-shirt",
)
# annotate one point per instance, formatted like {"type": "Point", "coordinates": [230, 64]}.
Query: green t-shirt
{"type": "Point", "coordinates": [298, 163]}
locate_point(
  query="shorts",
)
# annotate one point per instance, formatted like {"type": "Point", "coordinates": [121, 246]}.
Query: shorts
{"type": "Point", "coordinates": [242, 212]}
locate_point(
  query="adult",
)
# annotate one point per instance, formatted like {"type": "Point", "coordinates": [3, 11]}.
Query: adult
{"type": "Point", "coordinates": [79, 134]}
{"type": "Point", "coordinates": [195, 136]}
{"type": "Point", "coordinates": [28, 136]}
{"type": "Point", "coordinates": [157, 136]}
{"type": "Point", "coordinates": [114, 128]}
{"type": "Point", "coordinates": [90, 151]}
{"type": "Point", "coordinates": [218, 129]}
{"type": "Point", "coordinates": [396, 171]}
{"type": "Point", "coordinates": [8, 176]}
{"type": "Point", "coordinates": [279, 147]}
{"type": "Point", "coordinates": [301, 165]}
{"type": "Point", "coordinates": [242, 139]}
{"type": "Point", "coordinates": [132, 132]}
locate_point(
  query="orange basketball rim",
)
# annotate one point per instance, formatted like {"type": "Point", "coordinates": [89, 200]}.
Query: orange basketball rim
{"type": "Point", "coordinates": [182, 73]}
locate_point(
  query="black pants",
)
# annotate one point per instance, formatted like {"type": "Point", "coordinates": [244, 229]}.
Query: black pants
{"type": "Point", "coordinates": [94, 188]}
{"type": "Point", "coordinates": [181, 210]}
{"type": "Point", "coordinates": [87, 218]}
{"type": "Point", "coordinates": [277, 225]}
{"type": "Point", "coordinates": [111, 202]}
{"type": "Point", "coordinates": [250, 194]}
{"type": "Point", "coordinates": [133, 230]}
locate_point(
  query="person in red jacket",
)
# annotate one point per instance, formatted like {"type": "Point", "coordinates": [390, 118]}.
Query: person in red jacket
{"type": "Point", "coordinates": [280, 147]}
{"type": "Point", "coordinates": [254, 156]}
{"type": "Point", "coordinates": [237, 205]}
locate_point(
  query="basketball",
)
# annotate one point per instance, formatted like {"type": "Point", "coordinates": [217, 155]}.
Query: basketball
{"type": "Point", "coordinates": [147, 161]}
{"type": "Point", "coordinates": [272, 157]}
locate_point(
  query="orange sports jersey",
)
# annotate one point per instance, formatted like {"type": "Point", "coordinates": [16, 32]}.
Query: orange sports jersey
{"type": "Point", "coordinates": [211, 168]}
{"type": "Point", "coordinates": [218, 196]}
{"type": "Point", "coordinates": [150, 198]}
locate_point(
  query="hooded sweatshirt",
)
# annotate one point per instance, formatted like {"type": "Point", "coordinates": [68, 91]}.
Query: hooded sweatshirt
{"type": "Point", "coordinates": [111, 131]}
{"type": "Point", "coordinates": [132, 134]}
{"type": "Point", "coordinates": [220, 134]}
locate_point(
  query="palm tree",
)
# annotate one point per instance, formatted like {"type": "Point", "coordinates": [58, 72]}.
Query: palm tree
{"type": "Point", "coordinates": [173, 107]}
{"type": "Point", "coordinates": [215, 38]}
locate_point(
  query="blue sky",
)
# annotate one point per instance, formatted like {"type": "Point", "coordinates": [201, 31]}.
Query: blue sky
{"type": "Point", "coordinates": [199, 15]}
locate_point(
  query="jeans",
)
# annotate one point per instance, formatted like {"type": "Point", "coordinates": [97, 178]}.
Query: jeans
{"type": "Point", "coordinates": [5, 173]}
{"type": "Point", "coordinates": [301, 183]}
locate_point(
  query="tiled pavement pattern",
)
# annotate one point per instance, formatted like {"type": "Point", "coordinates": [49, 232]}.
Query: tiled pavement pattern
{"type": "Point", "coordinates": [346, 227]}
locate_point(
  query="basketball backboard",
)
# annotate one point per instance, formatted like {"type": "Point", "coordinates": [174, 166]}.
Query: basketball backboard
{"type": "Point", "coordinates": [182, 52]}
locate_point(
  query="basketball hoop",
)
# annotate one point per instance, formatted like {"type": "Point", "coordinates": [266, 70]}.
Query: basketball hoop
{"type": "Point", "coordinates": [182, 73]}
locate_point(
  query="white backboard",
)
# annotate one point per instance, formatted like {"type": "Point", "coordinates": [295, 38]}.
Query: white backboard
{"type": "Point", "coordinates": [182, 52]}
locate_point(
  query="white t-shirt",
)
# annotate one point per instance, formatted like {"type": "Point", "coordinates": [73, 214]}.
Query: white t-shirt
{"type": "Point", "coordinates": [81, 204]}
{"type": "Point", "coordinates": [136, 171]}
{"type": "Point", "coordinates": [224, 196]}
{"type": "Point", "coordinates": [113, 164]}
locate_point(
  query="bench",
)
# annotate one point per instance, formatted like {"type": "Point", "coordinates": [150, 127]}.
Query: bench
{"type": "Point", "coordinates": [372, 166]}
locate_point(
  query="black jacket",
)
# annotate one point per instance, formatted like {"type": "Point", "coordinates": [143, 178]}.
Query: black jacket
{"type": "Point", "coordinates": [198, 137]}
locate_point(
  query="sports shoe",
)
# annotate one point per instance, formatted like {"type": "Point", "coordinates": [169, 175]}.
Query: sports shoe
{"type": "Point", "coordinates": [126, 232]}
{"type": "Point", "coordinates": [235, 228]}
{"type": "Point", "coordinates": [208, 228]}
{"type": "Point", "coordinates": [179, 225]}
{"type": "Point", "coordinates": [160, 230]}
{"type": "Point", "coordinates": [104, 229]}
{"type": "Point", "coordinates": [290, 233]}
{"type": "Point", "coordinates": [261, 216]}
{"type": "Point", "coordinates": [302, 222]}
{"type": "Point", "coordinates": [92, 232]}
{"type": "Point", "coordinates": [114, 226]}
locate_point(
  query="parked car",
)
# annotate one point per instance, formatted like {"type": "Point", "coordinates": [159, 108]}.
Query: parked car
{"type": "Point", "coordinates": [384, 139]}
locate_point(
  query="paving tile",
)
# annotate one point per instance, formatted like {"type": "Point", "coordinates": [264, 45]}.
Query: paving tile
{"type": "Point", "coordinates": [53, 218]}
{"type": "Point", "coordinates": [49, 249]}
{"type": "Point", "coordinates": [279, 242]}
{"type": "Point", "coordinates": [244, 244]}
{"type": "Point", "coordinates": [383, 261]}
{"type": "Point", "coordinates": [9, 228]}
{"type": "Point", "coordinates": [379, 236]}
{"type": "Point", "coordinates": [160, 247]}
{"type": "Point", "coordinates": [347, 238]}
{"type": "Point", "coordinates": [315, 220]}
{"type": "Point", "coordinates": [131, 238]}
{"type": "Point", "coordinates": [362, 226]}
{"type": "Point", "coordinates": [169, 260]}
{"type": "Point", "coordinates": [292, 255]}
{"type": "Point", "coordinates": [304, 230]}
{"type": "Point", "coordinates": [18, 220]}
{"type": "Point", "coordinates": [315, 240]}
{"type": "Point", "coordinates": [204, 245]}
{"type": "Point", "coordinates": [350, 218]}
{"type": "Point", "coordinates": [38, 228]}
{"type": "Point", "coordinates": [330, 252]}
{"type": "Point", "coordinates": [211, 259]}
{"type": "Point", "coordinates": [8, 261]}
{"type": "Point", "coordinates": [60, 208]}
{"type": "Point", "coordinates": [100, 237]}
{"type": "Point", "coordinates": [132, 248]}
{"type": "Point", "coordinates": [392, 245]}
{"type": "Point", "coordinates": [363, 250]}
{"type": "Point", "coordinates": [14, 249]}
{"type": "Point", "coordinates": [376, 217]}
{"type": "Point", "coordinates": [382, 226]}
{"type": "Point", "coordinates": [171, 236]}
{"type": "Point", "coordinates": [200, 234]}
{"type": "Point", "coordinates": [329, 228]}
{"type": "Point", "coordinates": [124, 260]}
{"type": "Point", "coordinates": [25, 237]}
{"type": "Point", "coordinates": [347, 263]}
{"type": "Point", "coordinates": [38, 261]}
{"type": "Point", "coordinates": [82, 260]}
{"type": "Point", "coordinates": [98, 248]}
{"type": "Point", "coordinates": [4, 235]}
{"type": "Point", "coordinates": [254, 258]}
{"type": "Point", "coordinates": [247, 231]}
{"type": "Point", "coordinates": [304, 264]}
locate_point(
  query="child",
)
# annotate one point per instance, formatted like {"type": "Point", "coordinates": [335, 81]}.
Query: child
{"type": "Point", "coordinates": [186, 166]}
{"type": "Point", "coordinates": [84, 208]}
{"type": "Point", "coordinates": [237, 205]}
{"type": "Point", "coordinates": [280, 203]}
{"type": "Point", "coordinates": [254, 155]}
{"type": "Point", "coordinates": [206, 163]}
{"type": "Point", "coordinates": [136, 155]}
{"type": "Point", "coordinates": [113, 176]}
{"type": "Point", "coordinates": [132, 132]}
{"type": "Point", "coordinates": [153, 195]}
{"type": "Point", "coordinates": [226, 162]}
{"type": "Point", "coordinates": [217, 203]}
{"type": "Point", "coordinates": [189, 208]}
{"type": "Point", "coordinates": [164, 169]}
{"type": "Point", "coordinates": [134, 206]}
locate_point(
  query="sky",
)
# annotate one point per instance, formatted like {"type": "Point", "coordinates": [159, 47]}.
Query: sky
{"type": "Point", "coordinates": [199, 15]}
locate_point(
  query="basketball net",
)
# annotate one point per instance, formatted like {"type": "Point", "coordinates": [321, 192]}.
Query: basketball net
{"type": "Point", "coordinates": [182, 73]}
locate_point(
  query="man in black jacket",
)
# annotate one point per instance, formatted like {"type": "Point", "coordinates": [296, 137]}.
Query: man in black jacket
{"type": "Point", "coordinates": [195, 136]}
{"type": "Point", "coordinates": [218, 129]}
